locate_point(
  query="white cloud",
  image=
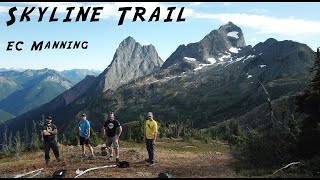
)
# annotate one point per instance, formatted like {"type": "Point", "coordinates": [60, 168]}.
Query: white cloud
{"type": "Point", "coordinates": [253, 40]}
{"type": "Point", "coordinates": [264, 24]}
{"type": "Point", "coordinates": [145, 43]}
{"type": "Point", "coordinates": [258, 11]}
{"type": "Point", "coordinates": [196, 3]}
{"type": "Point", "coordinates": [4, 9]}
{"type": "Point", "coordinates": [227, 3]}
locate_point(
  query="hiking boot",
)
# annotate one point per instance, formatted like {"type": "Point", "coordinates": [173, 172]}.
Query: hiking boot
{"type": "Point", "coordinates": [92, 157]}
{"type": "Point", "coordinates": [47, 161]}
{"type": "Point", "coordinates": [117, 160]}
{"type": "Point", "coordinates": [152, 163]}
{"type": "Point", "coordinates": [147, 160]}
{"type": "Point", "coordinates": [59, 159]}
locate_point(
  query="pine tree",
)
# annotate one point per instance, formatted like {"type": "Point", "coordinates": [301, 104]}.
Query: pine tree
{"type": "Point", "coordinates": [5, 141]}
{"type": "Point", "coordinates": [26, 139]}
{"type": "Point", "coordinates": [64, 140]}
{"type": "Point", "coordinates": [17, 142]}
{"type": "Point", "coordinates": [10, 146]}
{"type": "Point", "coordinates": [309, 103]}
{"type": "Point", "coordinates": [35, 142]}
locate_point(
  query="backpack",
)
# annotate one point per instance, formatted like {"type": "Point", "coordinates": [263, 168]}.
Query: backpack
{"type": "Point", "coordinates": [165, 175]}
{"type": "Point", "coordinates": [59, 173]}
{"type": "Point", "coordinates": [123, 164]}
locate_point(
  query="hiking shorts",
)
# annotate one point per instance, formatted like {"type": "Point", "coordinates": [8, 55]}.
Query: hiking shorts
{"type": "Point", "coordinates": [112, 140]}
{"type": "Point", "coordinates": [83, 141]}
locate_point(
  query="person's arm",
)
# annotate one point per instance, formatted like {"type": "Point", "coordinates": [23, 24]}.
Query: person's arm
{"type": "Point", "coordinates": [119, 131]}
{"type": "Point", "coordinates": [145, 131]}
{"type": "Point", "coordinates": [55, 130]}
{"type": "Point", "coordinates": [155, 133]}
{"type": "Point", "coordinates": [104, 129]}
{"type": "Point", "coordinates": [45, 133]}
{"type": "Point", "coordinates": [88, 136]}
{"type": "Point", "coordinates": [88, 125]}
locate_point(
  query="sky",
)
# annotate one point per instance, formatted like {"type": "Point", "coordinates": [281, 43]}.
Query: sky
{"type": "Point", "coordinates": [258, 20]}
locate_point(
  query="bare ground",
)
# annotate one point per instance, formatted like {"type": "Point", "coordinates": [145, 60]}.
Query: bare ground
{"type": "Point", "coordinates": [188, 161]}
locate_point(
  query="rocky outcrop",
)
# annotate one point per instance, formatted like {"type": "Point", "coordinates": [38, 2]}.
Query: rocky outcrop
{"type": "Point", "coordinates": [130, 61]}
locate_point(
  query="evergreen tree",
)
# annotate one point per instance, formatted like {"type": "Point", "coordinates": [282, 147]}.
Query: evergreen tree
{"type": "Point", "coordinates": [64, 140]}
{"type": "Point", "coordinates": [17, 142]}
{"type": "Point", "coordinates": [35, 142]}
{"type": "Point", "coordinates": [5, 148]}
{"type": "Point", "coordinates": [10, 145]}
{"type": "Point", "coordinates": [26, 139]}
{"type": "Point", "coordinates": [309, 104]}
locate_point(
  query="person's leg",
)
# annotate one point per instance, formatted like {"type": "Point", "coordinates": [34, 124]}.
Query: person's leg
{"type": "Point", "coordinates": [116, 148]}
{"type": "Point", "coordinates": [90, 147]}
{"type": "Point", "coordinates": [55, 149]}
{"type": "Point", "coordinates": [148, 148]}
{"type": "Point", "coordinates": [151, 152]}
{"type": "Point", "coordinates": [109, 143]}
{"type": "Point", "coordinates": [46, 151]}
{"type": "Point", "coordinates": [82, 145]}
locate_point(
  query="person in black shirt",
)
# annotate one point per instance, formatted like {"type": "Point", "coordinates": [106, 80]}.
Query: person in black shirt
{"type": "Point", "coordinates": [112, 129]}
{"type": "Point", "coordinates": [49, 132]}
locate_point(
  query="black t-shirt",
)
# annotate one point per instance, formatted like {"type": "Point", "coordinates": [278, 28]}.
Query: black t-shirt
{"type": "Point", "coordinates": [111, 127]}
{"type": "Point", "coordinates": [49, 127]}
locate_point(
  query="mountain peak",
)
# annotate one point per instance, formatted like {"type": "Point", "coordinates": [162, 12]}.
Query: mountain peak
{"type": "Point", "coordinates": [230, 27]}
{"type": "Point", "coordinates": [270, 41]}
{"type": "Point", "coordinates": [226, 39]}
{"type": "Point", "coordinates": [131, 60]}
{"type": "Point", "coordinates": [127, 41]}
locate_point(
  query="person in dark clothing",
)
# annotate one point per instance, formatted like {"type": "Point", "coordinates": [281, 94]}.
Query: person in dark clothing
{"type": "Point", "coordinates": [49, 132]}
{"type": "Point", "coordinates": [112, 130]}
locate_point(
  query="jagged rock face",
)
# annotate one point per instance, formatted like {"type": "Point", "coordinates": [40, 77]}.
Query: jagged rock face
{"type": "Point", "coordinates": [130, 61]}
{"type": "Point", "coordinates": [228, 38]}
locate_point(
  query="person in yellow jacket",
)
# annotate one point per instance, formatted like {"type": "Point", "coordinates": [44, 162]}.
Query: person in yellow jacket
{"type": "Point", "coordinates": [150, 134]}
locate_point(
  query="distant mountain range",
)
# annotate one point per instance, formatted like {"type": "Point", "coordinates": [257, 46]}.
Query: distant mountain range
{"type": "Point", "coordinates": [76, 75]}
{"type": "Point", "coordinates": [21, 91]}
{"type": "Point", "coordinates": [205, 83]}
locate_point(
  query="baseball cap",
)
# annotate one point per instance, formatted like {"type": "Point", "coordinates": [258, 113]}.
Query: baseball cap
{"type": "Point", "coordinates": [84, 114]}
{"type": "Point", "coordinates": [149, 114]}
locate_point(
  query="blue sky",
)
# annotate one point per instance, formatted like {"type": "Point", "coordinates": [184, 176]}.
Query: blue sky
{"type": "Point", "coordinates": [258, 21]}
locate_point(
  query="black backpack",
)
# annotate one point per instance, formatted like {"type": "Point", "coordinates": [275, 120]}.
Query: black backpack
{"type": "Point", "coordinates": [59, 173]}
{"type": "Point", "coordinates": [123, 164]}
{"type": "Point", "coordinates": [165, 175]}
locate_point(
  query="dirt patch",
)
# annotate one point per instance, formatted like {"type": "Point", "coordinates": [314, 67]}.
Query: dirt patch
{"type": "Point", "coordinates": [178, 164]}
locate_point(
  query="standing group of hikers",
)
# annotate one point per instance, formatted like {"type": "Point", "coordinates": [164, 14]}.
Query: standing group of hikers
{"type": "Point", "coordinates": [111, 130]}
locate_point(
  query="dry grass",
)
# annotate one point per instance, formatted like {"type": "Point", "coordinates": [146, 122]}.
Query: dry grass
{"type": "Point", "coordinates": [180, 159]}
